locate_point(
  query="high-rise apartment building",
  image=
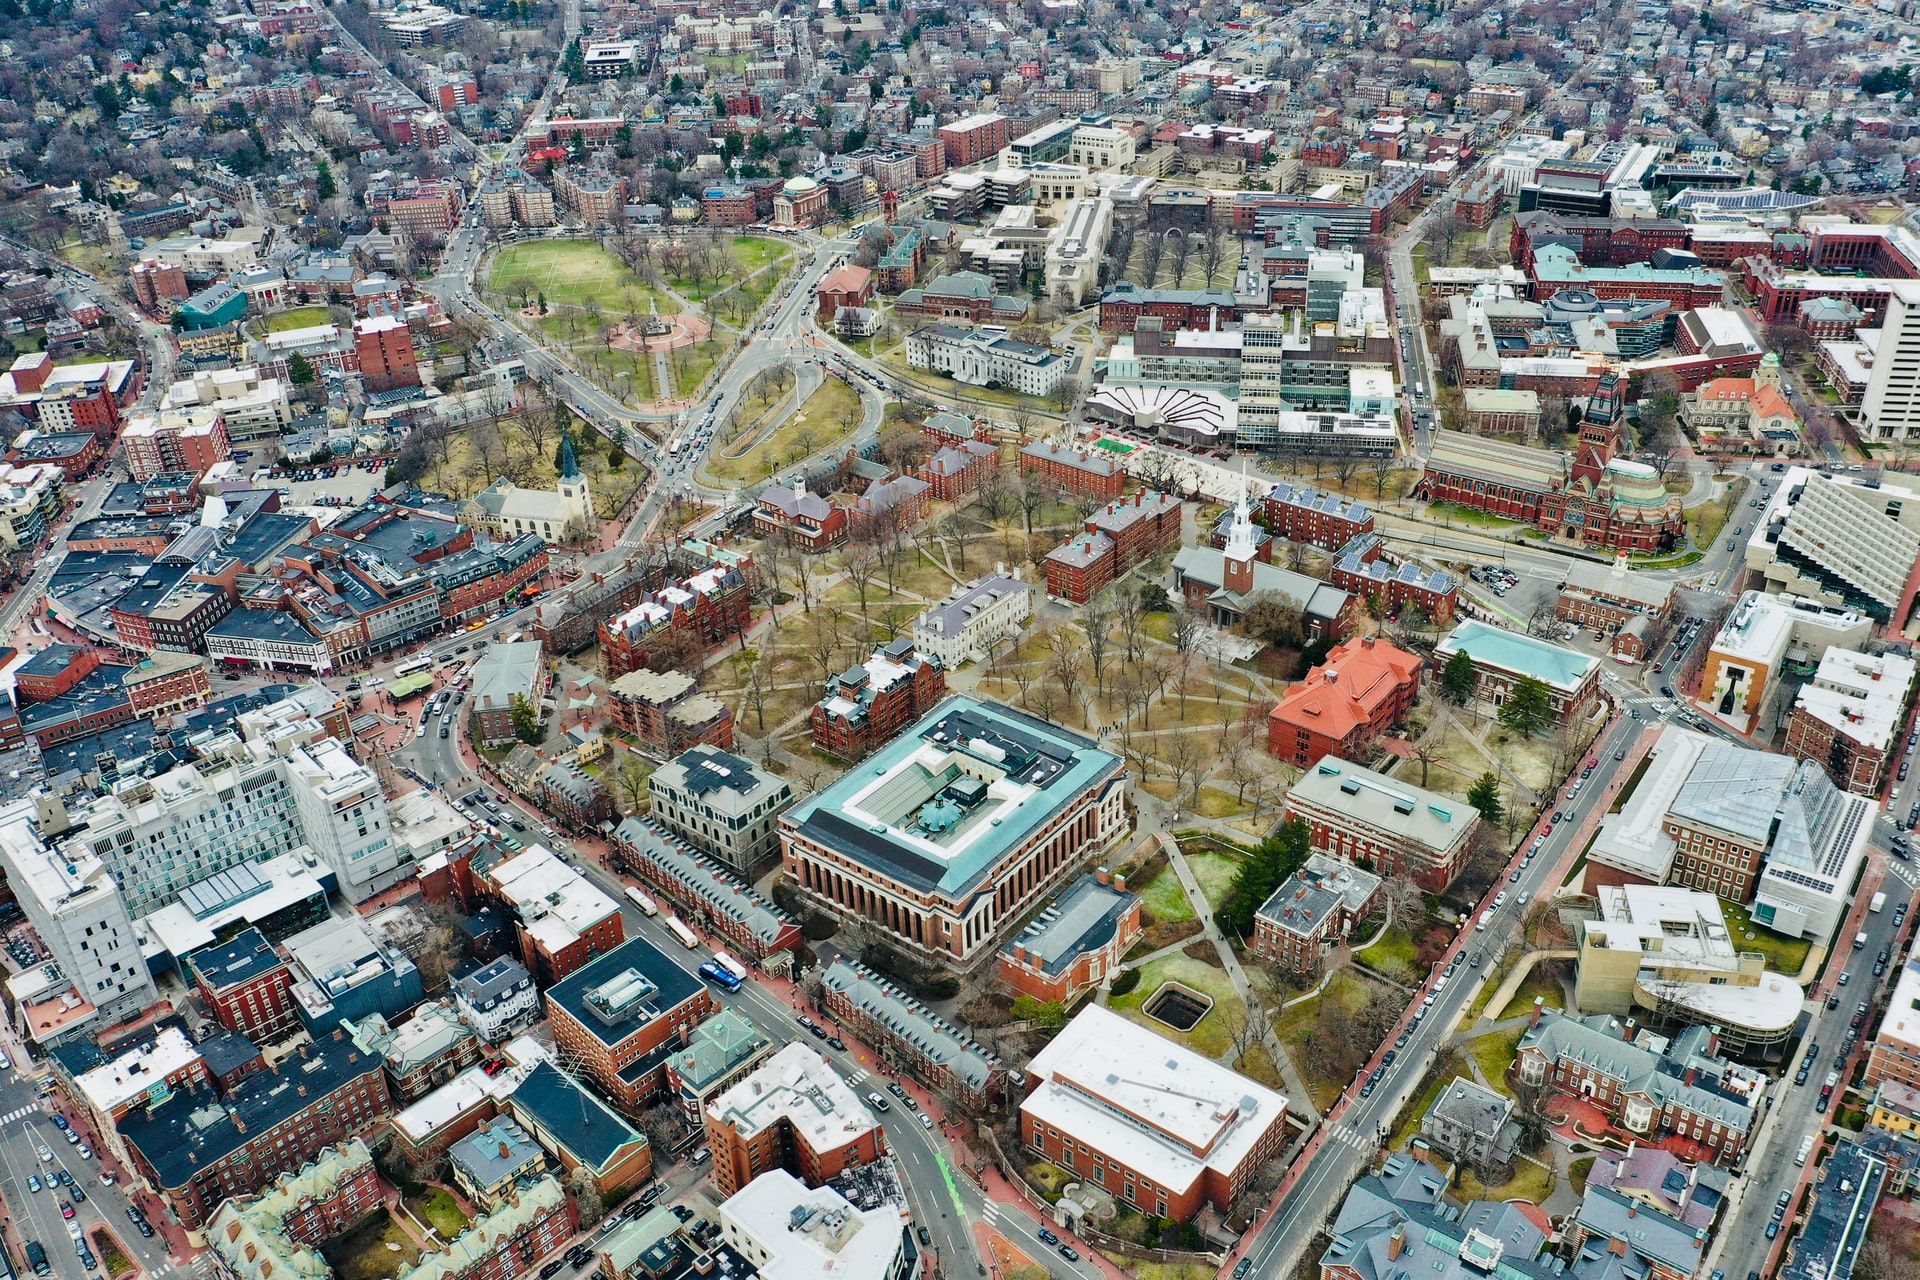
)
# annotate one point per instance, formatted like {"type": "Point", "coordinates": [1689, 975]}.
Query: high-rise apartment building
{"type": "Point", "coordinates": [1892, 407]}
{"type": "Point", "coordinates": [384, 346]}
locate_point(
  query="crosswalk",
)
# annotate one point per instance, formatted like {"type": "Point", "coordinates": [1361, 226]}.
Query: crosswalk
{"type": "Point", "coordinates": [1906, 873]}
{"type": "Point", "coordinates": [1345, 1133]}
{"type": "Point", "coordinates": [858, 1076]}
{"type": "Point", "coordinates": [19, 1114]}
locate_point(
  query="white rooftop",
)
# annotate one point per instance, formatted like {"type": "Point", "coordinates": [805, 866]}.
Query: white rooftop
{"type": "Point", "coordinates": [555, 902]}
{"type": "Point", "coordinates": [1153, 1105]}
{"type": "Point", "coordinates": [1633, 839]}
{"type": "Point", "coordinates": [1901, 1023]}
{"type": "Point", "coordinates": [791, 1232]}
{"type": "Point", "coordinates": [798, 1086]}
{"type": "Point", "coordinates": [1860, 694]}
{"type": "Point", "coordinates": [457, 1097]}
{"type": "Point", "coordinates": [135, 1074]}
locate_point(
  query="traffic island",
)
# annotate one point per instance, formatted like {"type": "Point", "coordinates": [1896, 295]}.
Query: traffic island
{"type": "Point", "coordinates": [107, 1248]}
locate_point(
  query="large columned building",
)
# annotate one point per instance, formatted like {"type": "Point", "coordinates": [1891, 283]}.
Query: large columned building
{"type": "Point", "coordinates": [947, 835]}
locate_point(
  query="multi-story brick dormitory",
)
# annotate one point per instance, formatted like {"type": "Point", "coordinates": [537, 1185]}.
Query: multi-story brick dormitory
{"type": "Point", "coordinates": [867, 704]}
{"type": "Point", "coordinates": [621, 1017]}
{"type": "Point", "coordinates": [197, 1149]}
{"type": "Point", "coordinates": [705, 893]}
{"type": "Point", "coordinates": [1599, 242]}
{"type": "Point", "coordinates": [1121, 535]}
{"type": "Point", "coordinates": [1685, 1090]}
{"type": "Point", "coordinates": [794, 1112]}
{"type": "Point", "coordinates": [1088, 471]}
{"type": "Point", "coordinates": [302, 1210]}
{"type": "Point", "coordinates": [705, 610]}
{"type": "Point", "coordinates": [930, 1049]}
{"type": "Point", "coordinates": [1405, 585]}
{"type": "Point", "coordinates": [1302, 513]}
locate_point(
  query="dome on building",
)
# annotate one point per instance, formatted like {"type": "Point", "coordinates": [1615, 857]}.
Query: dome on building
{"type": "Point", "coordinates": [1635, 484]}
{"type": "Point", "coordinates": [800, 186]}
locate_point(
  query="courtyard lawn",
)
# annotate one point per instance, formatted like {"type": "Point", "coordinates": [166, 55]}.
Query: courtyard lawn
{"type": "Point", "coordinates": [1784, 955]}
{"type": "Point", "coordinates": [297, 318]}
{"type": "Point", "coordinates": [364, 1252]}
{"type": "Point", "coordinates": [1494, 1053]}
{"type": "Point", "coordinates": [1531, 1181]}
{"type": "Point", "coordinates": [574, 273]}
{"type": "Point", "coordinates": [438, 1210]}
{"type": "Point", "coordinates": [1166, 898]}
{"type": "Point", "coordinates": [1215, 871]}
{"type": "Point", "coordinates": [748, 254]}
{"type": "Point", "coordinates": [1536, 984]}
{"type": "Point", "coordinates": [1395, 949]}
{"type": "Point", "coordinates": [1210, 1035]}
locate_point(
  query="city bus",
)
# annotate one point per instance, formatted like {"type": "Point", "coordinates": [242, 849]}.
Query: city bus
{"type": "Point", "coordinates": [732, 966]}
{"type": "Point", "coordinates": [725, 979]}
{"type": "Point", "coordinates": [642, 901]}
{"type": "Point", "coordinates": [680, 931]}
{"type": "Point", "coordinates": [413, 666]}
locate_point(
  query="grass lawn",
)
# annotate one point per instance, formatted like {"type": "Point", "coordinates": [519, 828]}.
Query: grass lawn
{"type": "Point", "coordinates": [829, 416]}
{"type": "Point", "coordinates": [1449, 513]}
{"type": "Point", "coordinates": [1397, 945]}
{"type": "Point", "coordinates": [749, 254]}
{"type": "Point", "coordinates": [1784, 955]}
{"type": "Point", "coordinates": [1537, 984]}
{"type": "Point", "coordinates": [297, 318]}
{"type": "Point", "coordinates": [1210, 1035]}
{"type": "Point", "coordinates": [1214, 803]}
{"type": "Point", "coordinates": [1165, 1270]}
{"type": "Point", "coordinates": [1532, 1182]}
{"type": "Point", "coordinates": [363, 1253]}
{"type": "Point", "coordinates": [572, 273]}
{"type": "Point", "coordinates": [1409, 1119]}
{"type": "Point", "coordinates": [1577, 1173]}
{"type": "Point", "coordinates": [438, 1210]}
{"type": "Point", "coordinates": [1705, 521]}
{"type": "Point", "coordinates": [1257, 1064]}
{"type": "Point", "coordinates": [1215, 872]}
{"type": "Point", "coordinates": [1166, 898]}
{"type": "Point", "coordinates": [1494, 1053]}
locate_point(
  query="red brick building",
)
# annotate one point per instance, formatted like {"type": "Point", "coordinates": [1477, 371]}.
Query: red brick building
{"type": "Point", "coordinates": [1302, 513]}
{"type": "Point", "coordinates": [53, 671]}
{"type": "Point", "coordinates": [956, 470]}
{"type": "Point", "coordinates": [1311, 913]}
{"type": "Point", "coordinates": [1364, 688]}
{"type": "Point", "coordinates": [1088, 471]}
{"type": "Point", "coordinates": [384, 346]}
{"type": "Point", "coordinates": [563, 920]}
{"type": "Point", "coordinates": [866, 705]}
{"type": "Point", "coordinates": [1116, 538]}
{"type": "Point", "coordinates": [76, 453]}
{"type": "Point", "coordinates": [807, 521]}
{"type": "Point", "coordinates": [666, 712]}
{"type": "Point", "coordinates": [247, 987]}
{"type": "Point", "coordinates": [974, 138]}
{"type": "Point", "coordinates": [1599, 242]}
{"type": "Point", "coordinates": [793, 1112]}
{"type": "Point", "coordinates": [619, 1017]}
{"type": "Point", "coordinates": [1435, 592]}
{"type": "Point", "coordinates": [1077, 944]}
{"type": "Point", "coordinates": [196, 1156]}
{"type": "Point", "coordinates": [1159, 1127]}
{"type": "Point", "coordinates": [695, 614]}
{"type": "Point", "coordinates": [728, 206]}
{"type": "Point", "coordinates": [846, 286]}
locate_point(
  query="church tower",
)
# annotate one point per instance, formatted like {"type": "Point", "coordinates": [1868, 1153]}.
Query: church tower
{"type": "Point", "coordinates": [1601, 426]}
{"type": "Point", "coordinates": [576, 502]}
{"type": "Point", "coordinates": [1242, 544]}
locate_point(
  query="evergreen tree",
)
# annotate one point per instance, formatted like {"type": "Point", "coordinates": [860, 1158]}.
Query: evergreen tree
{"type": "Point", "coordinates": [324, 186]}
{"type": "Point", "coordinates": [526, 719]}
{"type": "Point", "coordinates": [1528, 708]}
{"type": "Point", "coordinates": [1457, 678]}
{"type": "Point", "coordinates": [1484, 795]}
{"type": "Point", "coordinates": [300, 371]}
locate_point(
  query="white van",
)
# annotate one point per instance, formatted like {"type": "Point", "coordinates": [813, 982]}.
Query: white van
{"type": "Point", "coordinates": [1484, 917]}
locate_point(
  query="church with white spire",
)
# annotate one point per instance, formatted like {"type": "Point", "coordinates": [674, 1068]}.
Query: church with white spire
{"type": "Point", "coordinates": [560, 515]}
{"type": "Point", "coordinates": [1220, 580]}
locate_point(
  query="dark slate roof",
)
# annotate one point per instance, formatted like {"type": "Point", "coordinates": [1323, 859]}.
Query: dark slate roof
{"type": "Point", "coordinates": [227, 1052]}
{"type": "Point", "coordinates": [240, 959]}
{"type": "Point", "coordinates": [194, 1129]}
{"type": "Point", "coordinates": [555, 1103]}
{"type": "Point", "coordinates": [672, 987]}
